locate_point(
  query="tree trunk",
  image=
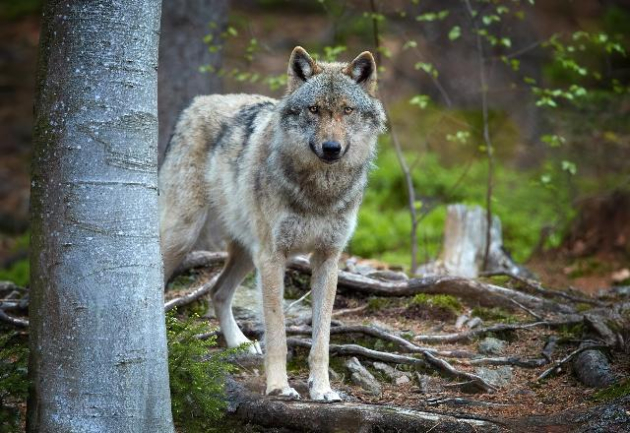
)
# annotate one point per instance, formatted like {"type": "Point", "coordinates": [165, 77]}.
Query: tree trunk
{"type": "Point", "coordinates": [97, 335]}
{"type": "Point", "coordinates": [185, 23]}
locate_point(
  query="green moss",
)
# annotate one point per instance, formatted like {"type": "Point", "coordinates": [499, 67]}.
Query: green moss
{"type": "Point", "coordinates": [617, 390]}
{"type": "Point", "coordinates": [446, 302]}
{"type": "Point", "coordinates": [582, 307]}
{"type": "Point", "coordinates": [377, 304]}
{"type": "Point", "coordinates": [494, 314]}
{"type": "Point", "coordinates": [571, 331]}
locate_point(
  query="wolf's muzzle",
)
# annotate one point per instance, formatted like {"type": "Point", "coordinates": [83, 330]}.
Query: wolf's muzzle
{"type": "Point", "coordinates": [331, 151]}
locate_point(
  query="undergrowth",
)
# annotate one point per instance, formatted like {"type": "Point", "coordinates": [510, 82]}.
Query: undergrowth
{"type": "Point", "coordinates": [13, 380]}
{"type": "Point", "coordinates": [197, 379]}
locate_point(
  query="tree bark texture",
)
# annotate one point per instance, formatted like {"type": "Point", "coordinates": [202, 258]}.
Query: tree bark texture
{"type": "Point", "coordinates": [185, 23]}
{"type": "Point", "coordinates": [97, 337]}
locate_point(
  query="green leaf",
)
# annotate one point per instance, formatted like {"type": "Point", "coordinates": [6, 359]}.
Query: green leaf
{"type": "Point", "coordinates": [427, 67]}
{"type": "Point", "coordinates": [553, 140]}
{"type": "Point", "coordinates": [455, 33]}
{"type": "Point", "coordinates": [569, 167]}
{"type": "Point", "coordinates": [410, 44]}
{"type": "Point", "coordinates": [421, 101]}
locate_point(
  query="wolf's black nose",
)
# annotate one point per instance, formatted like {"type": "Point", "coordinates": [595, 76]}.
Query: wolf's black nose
{"type": "Point", "coordinates": [331, 149]}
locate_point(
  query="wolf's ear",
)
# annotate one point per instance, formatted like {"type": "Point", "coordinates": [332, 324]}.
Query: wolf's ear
{"type": "Point", "coordinates": [363, 71]}
{"type": "Point", "coordinates": [301, 68]}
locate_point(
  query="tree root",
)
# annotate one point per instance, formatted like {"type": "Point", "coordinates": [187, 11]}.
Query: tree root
{"type": "Point", "coordinates": [251, 407]}
{"type": "Point", "coordinates": [471, 335]}
{"type": "Point", "coordinates": [375, 355]}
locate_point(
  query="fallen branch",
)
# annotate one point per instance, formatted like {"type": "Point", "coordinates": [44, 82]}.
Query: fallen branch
{"type": "Point", "coordinates": [16, 321]}
{"type": "Point", "coordinates": [509, 360]}
{"type": "Point", "coordinates": [468, 336]}
{"type": "Point", "coordinates": [375, 355]}
{"type": "Point", "coordinates": [249, 406]}
{"type": "Point", "coordinates": [535, 287]}
{"type": "Point", "coordinates": [192, 296]}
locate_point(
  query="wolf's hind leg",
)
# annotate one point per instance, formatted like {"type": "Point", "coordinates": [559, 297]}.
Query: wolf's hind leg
{"type": "Point", "coordinates": [179, 231]}
{"type": "Point", "coordinates": [239, 264]}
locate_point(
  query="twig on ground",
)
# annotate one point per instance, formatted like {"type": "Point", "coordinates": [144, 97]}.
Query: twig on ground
{"type": "Point", "coordinates": [192, 296]}
{"type": "Point", "coordinates": [294, 303]}
{"type": "Point", "coordinates": [556, 365]}
{"type": "Point", "coordinates": [513, 361]}
{"type": "Point", "coordinates": [527, 310]}
{"type": "Point", "coordinates": [16, 321]}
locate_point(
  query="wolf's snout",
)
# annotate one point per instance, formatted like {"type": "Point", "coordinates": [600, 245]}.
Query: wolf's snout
{"type": "Point", "coordinates": [331, 150]}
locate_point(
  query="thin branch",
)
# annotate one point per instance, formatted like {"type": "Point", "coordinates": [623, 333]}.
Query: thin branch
{"type": "Point", "coordinates": [192, 296]}
{"type": "Point", "coordinates": [486, 130]}
{"type": "Point", "coordinates": [15, 321]}
{"type": "Point", "coordinates": [294, 303]}
{"type": "Point", "coordinates": [440, 364]}
{"type": "Point", "coordinates": [470, 335]}
{"type": "Point", "coordinates": [535, 287]}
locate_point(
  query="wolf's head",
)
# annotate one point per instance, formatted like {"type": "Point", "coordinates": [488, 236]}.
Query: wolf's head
{"type": "Point", "coordinates": [330, 113]}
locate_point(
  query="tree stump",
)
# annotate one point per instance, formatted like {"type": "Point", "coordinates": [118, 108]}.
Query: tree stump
{"type": "Point", "coordinates": [465, 245]}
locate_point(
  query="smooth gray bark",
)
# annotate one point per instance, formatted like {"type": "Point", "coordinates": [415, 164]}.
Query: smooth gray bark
{"type": "Point", "coordinates": [98, 342]}
{"type": "Point", "coordinates": [185, 23]}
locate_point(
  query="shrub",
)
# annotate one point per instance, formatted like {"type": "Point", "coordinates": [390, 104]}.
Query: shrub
{"type": "Point", "coordinates": [197, 379]}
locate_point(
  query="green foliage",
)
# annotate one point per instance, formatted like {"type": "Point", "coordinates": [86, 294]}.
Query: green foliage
{"type": "Point", "coordinates": [197, 379]}
{"type": "Point", "coordinates": [13, 380]}
{"type": "Point", "coordinates": [496, 314]}
{"type": "Point", "coordinates": [15, 9]}
{"type": "Point", "coordinates": [524, 205]}
{"type": "Point", "coordinates": [18, 272]}
{"type": "Point", "coordinates": [446, 302]}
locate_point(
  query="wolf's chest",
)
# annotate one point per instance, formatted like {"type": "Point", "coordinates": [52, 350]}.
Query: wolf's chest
{"type": "Point", "coordinates": [294, 234]}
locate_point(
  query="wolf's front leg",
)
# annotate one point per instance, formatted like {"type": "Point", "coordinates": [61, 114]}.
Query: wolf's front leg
{"type": "Point", "coordinates": [271, 278]}
{"type": "Point", "coordinates": [324, 287]}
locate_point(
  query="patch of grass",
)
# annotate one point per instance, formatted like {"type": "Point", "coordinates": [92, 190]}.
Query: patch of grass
{"type": "Point", "coordinates": [617, 390]}
{"type": "Point", "coordinates": [13, 380]}
{"type": "Point", "coordinates": [197, 381]}
{"type": "Point", "coordinates": [496, 314]}
{"type": "Point", "coordinates": [446, 302]}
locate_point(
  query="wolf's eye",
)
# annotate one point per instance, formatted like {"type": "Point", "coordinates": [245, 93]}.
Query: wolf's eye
{"type": "Point", "coordinates": [348, 110]}
{"type": "Point", "coordinates": [313, 109]}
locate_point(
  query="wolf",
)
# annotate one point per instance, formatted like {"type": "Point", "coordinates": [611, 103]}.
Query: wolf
{"type": "Point", "coordinates": [281, 178]}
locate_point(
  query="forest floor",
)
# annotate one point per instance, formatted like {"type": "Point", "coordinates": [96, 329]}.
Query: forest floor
{"type": "Point", "coordinates": [518, 392]}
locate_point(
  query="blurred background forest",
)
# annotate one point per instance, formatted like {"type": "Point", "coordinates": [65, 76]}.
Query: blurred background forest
{"type": "Point", "coordinates": [555, 107]}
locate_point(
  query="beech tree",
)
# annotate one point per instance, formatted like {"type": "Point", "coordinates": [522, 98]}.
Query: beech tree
{"type": "Point", "coordinates": [97, 334]}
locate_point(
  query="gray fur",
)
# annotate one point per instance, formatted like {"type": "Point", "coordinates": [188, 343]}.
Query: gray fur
{"type": "Point", "coordinates": [255, 167]}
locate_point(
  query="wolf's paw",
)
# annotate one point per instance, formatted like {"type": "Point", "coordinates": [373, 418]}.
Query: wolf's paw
{"type": "Point", "coordinates": [287, 393]}
{"type": "Point", "coordinates": [327, 395]}
{"type": "Point", "coordinates": [254, 348]}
